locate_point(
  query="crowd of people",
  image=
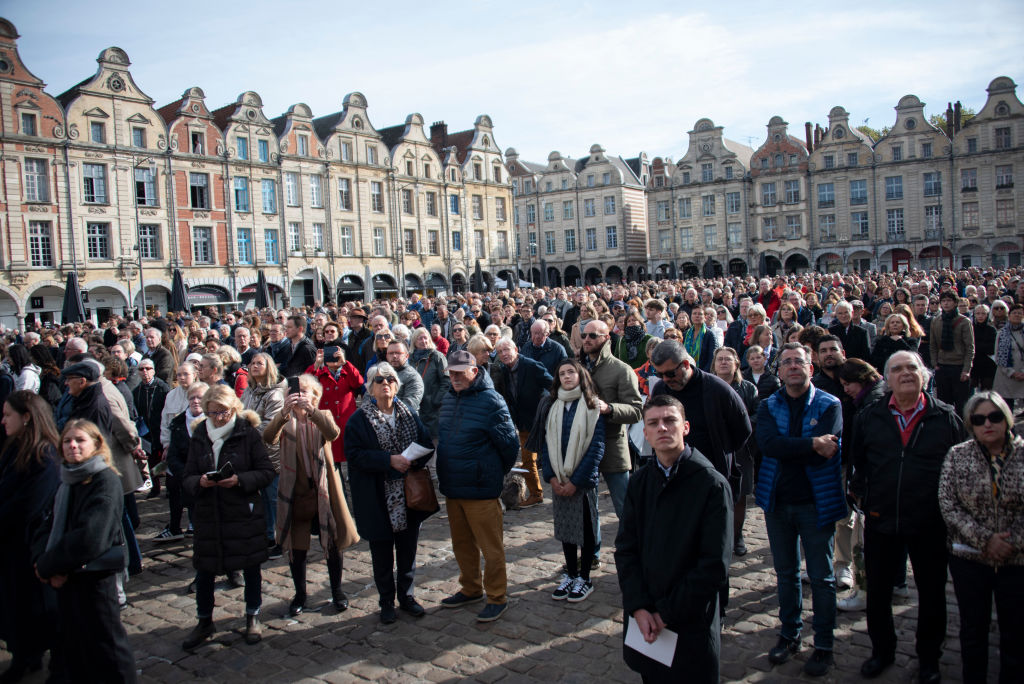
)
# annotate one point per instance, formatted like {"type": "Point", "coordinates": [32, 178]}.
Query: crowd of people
{"type": "Point", "coordinates": [871, 417]}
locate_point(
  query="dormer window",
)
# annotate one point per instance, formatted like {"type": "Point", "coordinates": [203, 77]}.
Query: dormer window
{"type": "Point", "coordinates": [28, 124]}
{"type": "Point", "coordinates": [196, 143]}
{"type": "Point", "coordinates": [409, 167]}
{"type": "Point", "coordinates": [426, 170]}
{"type": "Point", "coordinates": [497, 173]}
{"type": "Point", "coordinates": [302, 143]}
{"type": "Point", "coordinates": [138, 137]}
{"type": "Point", "coordinates": [97, 132]}
{"type": "Point", "coordinates": [478, 171]}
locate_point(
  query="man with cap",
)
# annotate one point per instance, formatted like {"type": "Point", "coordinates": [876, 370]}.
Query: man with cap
{"type": "Point", "coordinates": [358, 336]}
{"type": "Point", "coordinates": [478, 446]}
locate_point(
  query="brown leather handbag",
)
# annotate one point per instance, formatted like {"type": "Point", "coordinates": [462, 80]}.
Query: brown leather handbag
{"type": "Point", "coordinates": [419, 491]}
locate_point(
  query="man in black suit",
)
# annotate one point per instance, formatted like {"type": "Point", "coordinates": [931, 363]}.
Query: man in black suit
{"type": "Point", "coordinates": [853, 337]}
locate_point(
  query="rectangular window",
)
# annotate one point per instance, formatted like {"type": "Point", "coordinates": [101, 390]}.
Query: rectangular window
{"type": "Point", "coordinates": [768, 195]}
{"type": "Point", "coordinates": [589, 208]}
{"type": "Point", "coordinates": [37, 184]}
{"type": "Point", "coordinates": [97, 132]}
{"type": "Point", "coordinates": [769, 228]}
{"type": "Point", "coordinates": [294, 237]}
{"type": "Point", "coordinates": [376, 196]}
{"type": "Point", "coordinates": [457, 240]}
{"type": "Point", "coordinates": [433, 242]}
{"type": "Point", "coordinates": [378, 242]}
{"type": "Point", "coordinates": [499, 208]}
{"type": "Point", "coordinates": [794, 227]}
{"type": "Point", "coordinates": [734, 234]}
{"type": "Point", "coordinates": [686, 177]}
{"type": "Point", "coordinates": [565, 183]}
{"type": "Point", "coordinates": [969, 212]}
{"type": "Point", "coordinates": [198, 190]}
{"type": "Point", "coordinates": [549, 242]}
{"type": "Point", "coordinates": [591, 237]}
{"type": "Point", "coordinates": [453, 204]}
{"type": "Point", "coordinates": [371, 155]}
{"type": "Point", "coordinates": [894, 187]}
{"type": "Point", "coordinates": [478, 242]}
{"type": "Point", "coordinates": [932, 184]}
{"type": "Point", "coordinates": [145, 187]}
{"type": "Point", "coordinates": [858, 192]}
{"type": "Point", "coordinates": [242, 146]}
{"type": "Point", "coordinates": [196, 141]}
{"type": "Point", "coordinates": [732, 203]}
{"type": "Point", "coordinates": [685, 208]}
{"type": "Point", "coordinates": [527, 185]}
{"type": "Point", "coordinates": [570, 240]}
{"type": "Point", "coordinates": [269, 196]}
{"type": "Point", "coordinates": [707, 173]}
{"type": "Point", "coordinates": [826, 195]}
{"type": "Point", "coordinates": [202, 245]}
{"type": "Point", "coordinates": [138, 137]}
{"type": "Point", "coordinates": [302, 144]}
{"type": "Point", "coordinates": [28, 124]}
{"type": "Point", "coordinates": [568, 211]}
{"type": "Point", "coordinates": [97, 238]}
{"type": "Point", "coordinates": [792, 191]}
{"type": "Point", "coordinates": [532, 237]}
{"type": "Point", "coordinates": [663, 210]}
{"type": "Point", "coordinates": [1004, 213]}
{"type": "Point", "coordinates": [897, 152]}
{"type": "Point", "coordinates": [926, 150]}
{"type": "Point", "coordinates": [549, 211]}
{"type": "Point", "coordinates": [1003, 139]}
{"type": "Point", "coordinates": [432, 204]}
{"type": "Point", "coordinates": [263, 150]}
{"type": "Point", "coordinates": [407, 201]}
{"type": "Point", "coordinates": [728, 173]}
{"type": "Point", "coordinates": [933, 222]}
{"type": "Point", "coordinates": [94, 183]}
{"type": "Point", "coordinates": [859, 225]}
{"type": "Point", "coordinates": [345, 194]}
{"type": "Point", "coordinates": [426, 170]}
{"type": "Point", "coordinates": [1004, 176]}
{"type": "Point", "coordinates": [664, 241]}
{"type": "Point", "coordinates": [149, 241]}
{"type": "Point", "coordinates": [245, 245]}
{"type": "Point", "coordinates": [830, 161]}
{"type": "Point", "coordinates": [346, 151]}
{"type": "Point", "coordinates": [972, 145]}
{"type": "Point", "coordinates": [894, 224]}
{"type": "Point", "coordinates": [40, 244]}
{"type": "Point", "coordinates": [851, 158]}
{"type": "Point", "coordinates": [710, 237]}
{"type": "Point", "coordinates": [968, 179]}
{"type": "Point", "coordinates": [707, 203]}
{"type": "Point", "coordinates": [478, 207]}
{"type": "Point", "coordinates": [606, 178]}
{"type": "Point", "coordinates": [685, 239]}
{"type": "Point", "coordinates": [827, 227]}
{"type": "Point", "coordinates": [502, 247]}
{"type": "Point", "coordinates": [609, 206]}
{"type": "Point", "coordinates": [611, 237]}
{"type": "Point", "coordinates": [590, 180]}
{"type": "Point", "coordinates": [291, 189]}
{"type": "Point", "coordinates": [531, 213]}
{"type": "Point", "coordinates": [497, 173]}
{"type": "Point", "coordinates": [316, 195]}
{"type": "Point", "coordinates": [410, 241]}
{"type": "Point", "coordinates": [270, 244]}
{"type": "Point", "coordinates": [345, 246]}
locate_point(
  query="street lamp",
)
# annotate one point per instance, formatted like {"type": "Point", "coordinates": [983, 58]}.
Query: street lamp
{"type": "Point", "coordinates": [136, 163]}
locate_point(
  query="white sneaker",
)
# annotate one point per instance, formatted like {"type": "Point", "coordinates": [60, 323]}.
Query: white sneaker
{"type": "Point", "coordinates": [145, 487]}
{"type": "Point", "coordinates": [581, 589]}
{"type": "Point", "coordinates": [857, 600]}
{"type": "Point", "coordinates": [844, 578]}
{"type": "Point", "coordinates": [901, 592]}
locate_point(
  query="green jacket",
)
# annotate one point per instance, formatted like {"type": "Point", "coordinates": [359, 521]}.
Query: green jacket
{"type": "Point", "coordinates": [617, 386]}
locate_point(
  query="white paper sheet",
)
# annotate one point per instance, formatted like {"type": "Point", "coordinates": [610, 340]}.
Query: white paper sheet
{"type": "Point", "coordinates": [414, 451]}
{"type": "Point", "coordinates": [663, 649]}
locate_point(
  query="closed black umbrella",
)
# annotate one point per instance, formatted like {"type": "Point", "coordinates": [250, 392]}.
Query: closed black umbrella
{"type": "Point", "coordinates": [543, 274]}
{"type": "Point", "coordinates": [709, 268]}
{"type": "Point", "coordinates": [478, 277]}
{"type": "Point", "coordinates": [262, 291]}
{"type": "Point", "coordinates": [179, 293]}
{"type": "Point", "coordinates": [762, 265]}
{"type": "Point", "coordinates": [672, 271]}
{"type": "Point", "coordinates": [73, 310]}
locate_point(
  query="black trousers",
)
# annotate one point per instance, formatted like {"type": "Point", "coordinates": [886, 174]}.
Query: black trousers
{"type": "Point", "coordinates": [385, 554]}
{"type": "Point", "coordinates": [975, 584]}
{"type": "Point", "coordinates": [950, 389]}
{"type": "Point", "coordinates": [93, 640]}
{"type": "Point", "coordinates": [883, 554]}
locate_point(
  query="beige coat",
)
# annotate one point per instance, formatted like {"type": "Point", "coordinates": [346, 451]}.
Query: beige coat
{"type": "Point", "coordinates": [617, 386]}
{"type": "Point", "coordinates": [124, 440]}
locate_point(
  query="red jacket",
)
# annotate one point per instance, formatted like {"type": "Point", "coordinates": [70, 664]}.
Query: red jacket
{"type": "Point", "coordinates": [339, 398]}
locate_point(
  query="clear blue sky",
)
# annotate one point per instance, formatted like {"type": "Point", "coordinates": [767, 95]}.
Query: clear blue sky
{"type": "Point", "coordinates": [552, 76]}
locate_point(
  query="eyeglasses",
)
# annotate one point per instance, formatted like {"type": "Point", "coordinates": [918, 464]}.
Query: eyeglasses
{"type": "Point", "coordinates": [383, 337]}
{"type": "Point", "coordinates": [219, 414]}
{"type": "Point", "coordinates": [996, 418]}
{"type": "Point", "coordinates": [593, 335]}
{"type": "Point", "coordinates": [671, 373]}
{"type": "Point", "coordinates": [793, 362]}
{"type": "Point", "coordinates": [381, 379]}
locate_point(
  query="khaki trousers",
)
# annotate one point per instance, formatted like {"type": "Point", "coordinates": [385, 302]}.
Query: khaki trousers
{"type": "Point", "coordinates": [532, 475]}
{"type": "Point", "coordinates": [476, 528]}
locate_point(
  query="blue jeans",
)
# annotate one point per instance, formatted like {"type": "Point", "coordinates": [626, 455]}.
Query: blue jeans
{"type": "Point", "coordinates": [269, 495]}
{"type": "Point", "coordinates": [789, 526]}
{"type": "Point", "coordinates": [617, 485]}
{"type": "Point", "coordinates": [253, 591]}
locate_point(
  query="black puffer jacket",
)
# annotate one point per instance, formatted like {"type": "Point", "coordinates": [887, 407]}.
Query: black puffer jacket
{"type": "Point", "coordinates": [230, 528]}
{"type": "Point", "coordinates": [898, 486]}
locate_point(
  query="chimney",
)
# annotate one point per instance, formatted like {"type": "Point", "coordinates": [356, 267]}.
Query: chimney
{"type": "Point", "coordinates": [807, 134]}
{"type": "Point", "coordinates": [439, 134]}
{"type": "Point", "coordinates": [817, 136]}
{"type": "Point", "coordinates": [949, 120]}
{"type": "Point", "coordinates": [957, 116]}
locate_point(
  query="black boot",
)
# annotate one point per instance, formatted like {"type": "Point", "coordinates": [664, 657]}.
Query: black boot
{"type": "Point", "coordinates": [253, 629]}
{"type": "Point", "coordinates": [297, 564]}
{"type": "Point", "coordinates": [338, 597]}
{"type": "Point", "coordinates": [200, 633]}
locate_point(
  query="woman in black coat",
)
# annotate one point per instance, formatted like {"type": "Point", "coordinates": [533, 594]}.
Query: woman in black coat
{"type": "Point", "coordinates": [983, 372]}
{"type": "Point", "coordinates": [229, 522]}
{"type": "Point", "coordinates": [78, 549]}
{"type": "Point", "coordinates": [29, 478]}
{"type": "Point", "coordinates": [377, 470]}
{"type": "Point", "coordinates": [892, 337]}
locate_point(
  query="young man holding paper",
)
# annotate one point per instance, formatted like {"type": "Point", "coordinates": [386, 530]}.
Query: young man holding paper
{"type": "Point", "coordinates": [672, 554]}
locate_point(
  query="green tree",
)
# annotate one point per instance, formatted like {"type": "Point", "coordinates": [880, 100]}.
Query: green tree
{"type": "Point", "coordinates": [874, 133]}
{"type": "Point", "coordinates": [939, 120]}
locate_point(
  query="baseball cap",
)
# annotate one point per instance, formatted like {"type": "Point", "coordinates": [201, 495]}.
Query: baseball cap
{"type": "Point", "coordinates": [460, 361]}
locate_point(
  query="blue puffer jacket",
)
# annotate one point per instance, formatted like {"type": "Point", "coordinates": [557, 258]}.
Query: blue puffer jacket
{"type": "Point", "coordinates": [478, 442]}
{"type": "Point", "coordinates": [826, 476]}
{"type": "Point", "coordinates": [585, 476]}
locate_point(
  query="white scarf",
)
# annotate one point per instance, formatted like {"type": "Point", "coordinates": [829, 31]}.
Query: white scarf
{"type": "Point", "coordinates": [580, 433]}
{"type": "Point", "coordinates": [217, 437]}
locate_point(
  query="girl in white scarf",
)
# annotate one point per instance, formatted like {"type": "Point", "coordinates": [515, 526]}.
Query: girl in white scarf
{"type": "Point", "coordinates": [572, 449]}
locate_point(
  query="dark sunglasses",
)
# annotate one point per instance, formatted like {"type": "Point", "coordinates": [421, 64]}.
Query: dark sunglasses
{"type": "Point", "coordinates": [996, 417]}
{"type": "Point", "coordinates": [593, 335]}
{"type": "Point", "coordinates": [381, 379]}
{"type": "Point", "coordinates": [671, 373]}
{"type": "Point", "coordinates": [383, 337]}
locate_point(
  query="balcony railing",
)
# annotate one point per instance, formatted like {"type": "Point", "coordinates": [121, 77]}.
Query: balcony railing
{"type": "Point", "coordinates": [895, 236]}
{"type": "Point", "coordinates": [827, 238]}
{"type": "Point", "coordinates": [932, 233]}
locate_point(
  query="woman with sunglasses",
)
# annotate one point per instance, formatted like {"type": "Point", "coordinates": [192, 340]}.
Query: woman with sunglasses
{"type": "Point", "coordinates": [981, 495]}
